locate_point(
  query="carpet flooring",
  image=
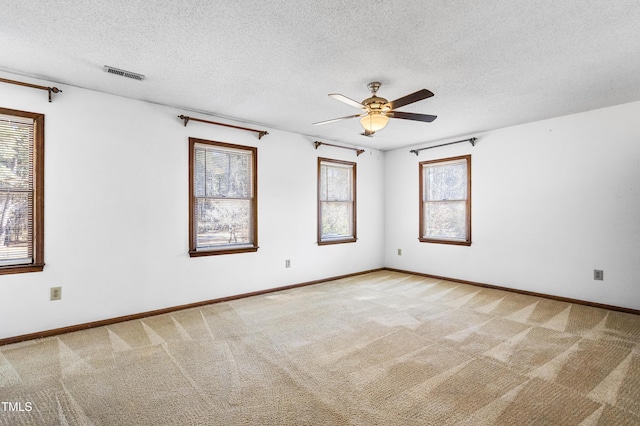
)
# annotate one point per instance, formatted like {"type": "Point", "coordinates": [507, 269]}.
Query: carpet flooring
{"type": "Point", "coordinates": [383, 348]}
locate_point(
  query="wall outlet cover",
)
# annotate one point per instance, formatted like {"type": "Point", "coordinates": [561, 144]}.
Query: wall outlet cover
{"type": "Point", "coordinates": [55, 293]}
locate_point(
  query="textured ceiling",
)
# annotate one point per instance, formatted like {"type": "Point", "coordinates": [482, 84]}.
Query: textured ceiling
{"type": "Point", "coordinates": [491, 64]}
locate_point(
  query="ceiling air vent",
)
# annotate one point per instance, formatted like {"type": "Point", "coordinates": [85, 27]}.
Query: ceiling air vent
{"type": "Point", "coordinates": [123, 73]}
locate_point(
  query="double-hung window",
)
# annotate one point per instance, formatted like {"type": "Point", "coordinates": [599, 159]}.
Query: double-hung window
{"type": "Point", "coordinates": [223, 199]}
{"type": "Point", "coordinates": [21, 191]}
{"type": "Point", "coordinates": [336, 201]}
{"type": "Point", "coordinates": [445, 201]}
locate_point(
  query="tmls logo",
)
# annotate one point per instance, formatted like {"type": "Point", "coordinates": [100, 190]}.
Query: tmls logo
{"type": "Point", "coordinates": [16, 406]}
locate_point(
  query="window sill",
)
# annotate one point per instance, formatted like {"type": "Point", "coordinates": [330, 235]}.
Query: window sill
{"type": "Point", "coordinates": [19, 269]}
{"type": "Point", "coordinates": [452, 242]}
{"type": "Point", "coordinates": [337, 241]}
{"type": "Point", "coordinates": [215, 252]}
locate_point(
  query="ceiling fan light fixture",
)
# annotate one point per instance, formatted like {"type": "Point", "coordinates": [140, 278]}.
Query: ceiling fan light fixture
{"type": "Point", "coordinates": [374, 121]}
{"type": "Point", "coordinates": [376, 111]}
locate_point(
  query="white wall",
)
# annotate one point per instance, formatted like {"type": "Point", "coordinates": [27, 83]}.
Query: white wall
{"type": "Point", "coordinates": [551, 202]}
{"type": "Point", "coordinates": [116, 213]}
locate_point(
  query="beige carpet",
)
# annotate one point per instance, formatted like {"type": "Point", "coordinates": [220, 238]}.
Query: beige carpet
{"type": "Point", "coordinates": [378, 349]}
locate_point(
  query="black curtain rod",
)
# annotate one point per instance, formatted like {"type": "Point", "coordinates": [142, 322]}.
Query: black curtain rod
{"type": "Point", "coordinates": [358, 151]}
{"type": "Point", "coordinates": [34, 86]}
{"type": "Point", "coordinates": [186, 120]}
{"type": "Point", "coordinates": [472, 141]}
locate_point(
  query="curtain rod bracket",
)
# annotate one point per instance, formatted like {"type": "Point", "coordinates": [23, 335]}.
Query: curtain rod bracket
{"type": "Point", "coordinates": [358, 151]}
{"type": "Point", "coordinates": [262, 133]}
{"type": "Point", "coordinates": [53, 90]}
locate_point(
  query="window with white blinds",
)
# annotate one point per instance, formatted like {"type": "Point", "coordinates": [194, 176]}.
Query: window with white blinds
{"type": "Point", "coordinates": [223, 200]}
{"type": "Point", "coordinates": [445, 194]}
{"type": "Point", "coordinates": [21, 191]}
{"type": "Point", "coordinates": [336, 201]}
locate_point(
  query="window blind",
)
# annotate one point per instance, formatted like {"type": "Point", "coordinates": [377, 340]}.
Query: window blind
{"type": "Point", "coordinates": [223, 194]}
{"type": "Point", "coordinates": [445, 207]}
{"type": "Point", "coordinates": [16, 190]}
{"type": "Point", "coordinates": [336, 197]}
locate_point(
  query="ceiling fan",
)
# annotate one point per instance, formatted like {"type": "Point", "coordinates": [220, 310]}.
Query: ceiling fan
{"type": "Point", "coordinates": [376, 111]}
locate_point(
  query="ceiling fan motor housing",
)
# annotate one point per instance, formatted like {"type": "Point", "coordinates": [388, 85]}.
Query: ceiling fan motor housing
{"type": "Point", "coordinates": [376, 103]}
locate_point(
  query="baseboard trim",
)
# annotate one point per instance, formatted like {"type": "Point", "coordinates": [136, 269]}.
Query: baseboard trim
{"type": "Point", "coordinates": [109, 321]}
{"type": "Point", "coordinates": [528, 293]}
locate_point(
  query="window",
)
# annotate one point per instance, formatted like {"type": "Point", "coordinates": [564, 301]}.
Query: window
{"type": "Point", "coordinates": [21, 191]}
{"type": "Point", "coordinates": [336, 201]}
{"type": "Point", "coordinates": [223, 200]}
{"type": "Point", "coordinates": [445, 201]}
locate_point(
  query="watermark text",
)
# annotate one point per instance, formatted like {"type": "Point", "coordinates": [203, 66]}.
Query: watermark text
{"type": "Point", "coordinates": [20, 407]}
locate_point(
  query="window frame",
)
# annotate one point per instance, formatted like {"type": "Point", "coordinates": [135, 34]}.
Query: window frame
{"type": "Point", "coordinates": [422, 223]}
{"type": "Point", "coordinates": [354, 237]}
{"type": "Point", "coordinates": [226, 249]}
{"type": "Point", "coordinates": [37, 238]}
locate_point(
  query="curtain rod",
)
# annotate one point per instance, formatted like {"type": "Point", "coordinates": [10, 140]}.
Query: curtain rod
{"type": "Point", "coordinates": [358, 151]}
{"type": "Point", "coordinates": [472, 141]}
{"type": "Point", "coordinates": [186, 119]}
{"type": "Point", "coordinates": [34, 86]}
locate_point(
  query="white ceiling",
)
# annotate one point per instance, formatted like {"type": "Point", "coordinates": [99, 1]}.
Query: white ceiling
{"type": "Point", "coordinates": [491, 64]}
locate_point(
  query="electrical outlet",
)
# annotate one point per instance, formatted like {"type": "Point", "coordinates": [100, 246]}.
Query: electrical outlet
{"type": "Point", "coordinates": [287, 263]}
{"type": "Point", "coordinates": [399, 252]}
{"type": "Point", "coordinates": [55, 293]}
{"type": "Point", "coordinates": [598, 274]}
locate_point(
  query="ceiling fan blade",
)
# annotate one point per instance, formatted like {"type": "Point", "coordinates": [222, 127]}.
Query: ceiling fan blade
{"type": "Point", "coordinates": [412, 116]}
{"type": "Point", "coordinates": [411, 98]}
{"type": "Point", "coordinates": [348, 101]}
{"type": "Point", "coordinates": [336, 119]}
